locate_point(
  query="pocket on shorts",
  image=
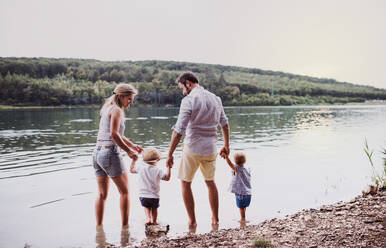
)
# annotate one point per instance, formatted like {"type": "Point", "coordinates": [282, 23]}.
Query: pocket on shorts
{"type": "Point", "coordinates": [104, 158]}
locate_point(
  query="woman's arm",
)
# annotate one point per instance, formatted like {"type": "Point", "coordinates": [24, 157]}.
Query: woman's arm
{"type": "Point", "coordinates": [115, 116]}
{"type": "Point", "coordinates": [229, 162]}
{"type": "Point", "coordinates": [132, 145]}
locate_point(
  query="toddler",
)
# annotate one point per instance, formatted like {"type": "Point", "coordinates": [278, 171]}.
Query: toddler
{"type": "Point", "coordinates": [149, 182]}
{"type": "Point", "coordinates": [241, 182]}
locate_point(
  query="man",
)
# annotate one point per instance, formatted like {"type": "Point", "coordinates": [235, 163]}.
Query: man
{"type": "Point", "coordinates": [200, 113]}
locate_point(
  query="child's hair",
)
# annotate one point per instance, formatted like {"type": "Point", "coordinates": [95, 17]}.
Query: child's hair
{"type": "Point", "coordinates": [239, 158]}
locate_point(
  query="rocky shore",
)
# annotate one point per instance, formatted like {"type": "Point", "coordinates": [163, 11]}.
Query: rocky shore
{"type": "Point", "coordinates": [360, 222]}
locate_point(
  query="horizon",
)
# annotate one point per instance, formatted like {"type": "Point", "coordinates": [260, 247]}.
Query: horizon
{"type": "Point", "coordinates": [342, 40]}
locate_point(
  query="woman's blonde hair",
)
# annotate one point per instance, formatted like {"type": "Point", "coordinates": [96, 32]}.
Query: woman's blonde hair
{"type": "Point", "coordinates": [119, 91]}
{"type": "Point", "coordinates": [239, 158]}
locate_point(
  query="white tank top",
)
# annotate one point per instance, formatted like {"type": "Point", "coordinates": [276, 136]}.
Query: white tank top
{"type": "Point", "coordinates": [104, 137]}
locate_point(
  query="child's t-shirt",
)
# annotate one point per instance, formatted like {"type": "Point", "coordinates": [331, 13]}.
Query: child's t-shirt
{"type": "Point", "coordinates": [241, 182]}
{"type": "Point", "coordinates": [149, 179]}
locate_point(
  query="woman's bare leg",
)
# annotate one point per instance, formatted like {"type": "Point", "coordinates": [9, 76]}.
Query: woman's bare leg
{"type": "Point", "coordinates": [123, 187]}
{"type": "Point", "coordinates": [103, 188]}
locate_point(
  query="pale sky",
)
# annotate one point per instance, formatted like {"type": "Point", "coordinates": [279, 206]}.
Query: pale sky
{"type": "Point", "coordinates": [340, 39]}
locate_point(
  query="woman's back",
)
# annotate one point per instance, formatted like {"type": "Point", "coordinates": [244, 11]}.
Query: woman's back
{"type": "Point", "coordinates": [104, 137]}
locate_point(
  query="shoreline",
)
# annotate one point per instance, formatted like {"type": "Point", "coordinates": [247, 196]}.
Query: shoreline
{"type": "Point", "coordinates": [360, 222]}
{"type": "Point", "coordinates": [7, 107]}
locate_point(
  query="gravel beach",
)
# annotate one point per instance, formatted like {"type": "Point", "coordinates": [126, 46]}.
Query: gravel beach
{"type": "Point", "coordinates": [360, 222]}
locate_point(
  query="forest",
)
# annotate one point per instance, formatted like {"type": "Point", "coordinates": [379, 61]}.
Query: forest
{"type": "Point", "coordinates": [63, 81]}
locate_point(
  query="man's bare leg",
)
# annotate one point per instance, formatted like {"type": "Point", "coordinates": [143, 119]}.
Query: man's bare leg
{"type": "Point", "coordinates": [213, 200]}
{"type": "Point", "coordinates": [187, 194]}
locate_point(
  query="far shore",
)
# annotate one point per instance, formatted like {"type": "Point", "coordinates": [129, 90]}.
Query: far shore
{"type": "Point", "coordinates": [375, 102]}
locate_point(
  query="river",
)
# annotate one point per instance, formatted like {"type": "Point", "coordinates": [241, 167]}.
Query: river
{"type": "Point", "coordinates": [301, 157]}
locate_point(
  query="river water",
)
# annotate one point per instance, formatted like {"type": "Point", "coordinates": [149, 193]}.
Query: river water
{"type": "Point", "coordinates": [301, 157]}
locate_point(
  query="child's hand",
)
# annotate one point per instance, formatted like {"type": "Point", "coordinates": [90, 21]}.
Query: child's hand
{"type": "Point", "coordinates": [223, 155]}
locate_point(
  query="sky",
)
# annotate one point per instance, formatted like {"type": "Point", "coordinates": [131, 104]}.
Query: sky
{"type": "Point", "coordinates": [340, 39]}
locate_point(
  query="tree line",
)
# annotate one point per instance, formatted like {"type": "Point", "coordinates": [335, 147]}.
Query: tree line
{"type": "Point", "coordinates": [47, 81]}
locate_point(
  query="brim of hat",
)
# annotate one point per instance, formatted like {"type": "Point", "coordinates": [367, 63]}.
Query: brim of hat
{"type": "Point", "coordinates": [153, 160]}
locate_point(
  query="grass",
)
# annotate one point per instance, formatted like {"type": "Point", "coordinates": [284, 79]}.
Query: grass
{"type": "Point", "coordinates": [260, 242]}
{"type": "Point", "coordinates": [378, 178]}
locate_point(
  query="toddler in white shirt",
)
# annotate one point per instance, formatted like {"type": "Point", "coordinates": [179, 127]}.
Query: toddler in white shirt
{"type": "Point", "coordinates": [149, 182]}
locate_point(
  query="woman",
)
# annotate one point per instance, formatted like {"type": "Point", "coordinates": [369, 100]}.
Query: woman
{"type": "Point", "coordinates": [107, 160]}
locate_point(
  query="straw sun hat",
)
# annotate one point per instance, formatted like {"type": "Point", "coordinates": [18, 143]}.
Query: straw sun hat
{"type": "Point", "coordinates": [150, 155]}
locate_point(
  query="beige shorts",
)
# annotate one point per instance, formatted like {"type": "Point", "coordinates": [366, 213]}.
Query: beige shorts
{"type": "Point", "coordinates": [190, 163]}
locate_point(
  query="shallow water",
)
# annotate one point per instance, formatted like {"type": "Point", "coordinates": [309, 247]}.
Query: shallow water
{"type": "Point", "coordinates": [301, 157]}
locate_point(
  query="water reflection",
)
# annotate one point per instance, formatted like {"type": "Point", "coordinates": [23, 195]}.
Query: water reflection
{"type": "Point", "coordinates": [41, 141]}
{"type": "Point", "coordinates": [101, 240]}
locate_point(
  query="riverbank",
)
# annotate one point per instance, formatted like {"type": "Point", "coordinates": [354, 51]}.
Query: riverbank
{"type": "Point", "coordinates": [374, 102]}
{"type": "Point", "coordinates": [360, 222]}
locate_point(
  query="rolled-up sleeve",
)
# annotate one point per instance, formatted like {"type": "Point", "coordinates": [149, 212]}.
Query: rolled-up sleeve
{"type": "Point", "coordinates": [223, 117]}
{"type": "Point", "coordinates": [183, 116]}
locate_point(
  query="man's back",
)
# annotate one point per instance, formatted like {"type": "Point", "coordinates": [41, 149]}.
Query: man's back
{"type": "Point", "coordinates": [200, 114]}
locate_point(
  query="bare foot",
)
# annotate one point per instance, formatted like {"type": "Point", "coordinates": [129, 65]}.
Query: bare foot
{"type": "Point", "coordinates": [214, 227]}
{"type": "Point", "coordinates": [192, 227]}
{"type": "Point", "coordinates": [214, 221]}
{"type": "Point", "coordinates": [243, 223]}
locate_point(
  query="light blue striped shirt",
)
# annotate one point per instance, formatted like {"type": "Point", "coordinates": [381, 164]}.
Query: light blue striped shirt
{"type": "Point", "coordinates": [200, 113]}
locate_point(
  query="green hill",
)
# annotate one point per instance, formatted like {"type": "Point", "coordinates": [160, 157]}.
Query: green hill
{"type": "Point", "coordinates": [47, 81]}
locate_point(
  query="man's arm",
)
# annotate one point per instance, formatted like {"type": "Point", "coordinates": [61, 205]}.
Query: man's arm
{"type": "Point", "coordinates": [224, 152]}
{"type": "Point", "coordinates": [176, 137]}
{"type": "Point", "coordinates": [168, 174]}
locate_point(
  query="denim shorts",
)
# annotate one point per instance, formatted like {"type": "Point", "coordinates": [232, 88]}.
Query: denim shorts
{"type": "Point", "coordinates": [243, 201]}
{"type": "Point", "coordinates": [149, 202]}
{"type": "Point", "coordinates": [108, 161]}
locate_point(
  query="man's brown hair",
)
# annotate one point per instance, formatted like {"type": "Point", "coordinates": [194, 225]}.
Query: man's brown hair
{"type": "Point", "coordinates": [188, 75]}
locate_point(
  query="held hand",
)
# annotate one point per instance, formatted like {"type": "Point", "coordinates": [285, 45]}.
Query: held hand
{"type": "Point", "coordinates": [224, 152]}
{"type": "Point", "coordinates": [138, 148]}
{"type": "Point", "coordinates": [132, 155]}
{"type": "Point", "coordinates": [169, 161]}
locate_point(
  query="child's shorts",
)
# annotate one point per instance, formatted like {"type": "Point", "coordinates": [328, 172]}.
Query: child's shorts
{"type": "Point", "coordinates": [243, 201]}
{"type": "Point", "coordinates": [149, 202]}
